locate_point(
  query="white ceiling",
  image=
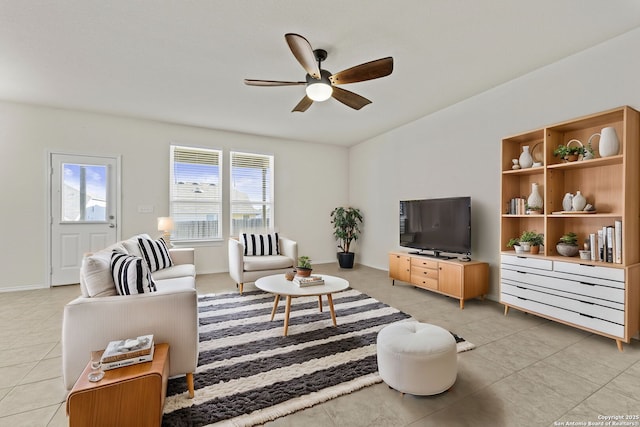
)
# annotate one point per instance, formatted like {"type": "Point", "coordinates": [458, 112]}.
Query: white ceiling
{"type": "Point", "coordinates": [184, 61]}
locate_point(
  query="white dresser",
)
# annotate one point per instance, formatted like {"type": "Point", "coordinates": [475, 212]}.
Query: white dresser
{"type": "Point", "coordinates": [599, 299]}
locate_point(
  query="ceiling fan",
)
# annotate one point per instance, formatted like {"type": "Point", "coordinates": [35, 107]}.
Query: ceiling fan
{"type": "Point", "coordinates": [321, 84]}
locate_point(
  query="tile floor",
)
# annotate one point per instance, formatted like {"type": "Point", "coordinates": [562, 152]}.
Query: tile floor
{"type": "Point", "coordinates": [525, 371]}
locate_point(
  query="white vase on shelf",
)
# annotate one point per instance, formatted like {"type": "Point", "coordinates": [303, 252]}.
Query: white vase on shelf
{"type": "Point", "coordinates": [579, 202]}
{"type": "Point", "coordinates": [535, 198]}
{"type": "Point", "coordinates": [609, 144]}
{"type": "Point", "coordinates": [526, 161]}
{"type": "Point", "coordinates": [567, 202]}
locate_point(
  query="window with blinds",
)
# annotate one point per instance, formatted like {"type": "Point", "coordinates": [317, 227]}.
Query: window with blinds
{"type": "Point", "coordinates": [196, 194]}
{"type": "Point", "coordinates": [251, 193]}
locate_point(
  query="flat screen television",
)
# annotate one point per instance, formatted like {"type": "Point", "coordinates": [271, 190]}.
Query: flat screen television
{"type": "Point", "coordinates": [436, 225]}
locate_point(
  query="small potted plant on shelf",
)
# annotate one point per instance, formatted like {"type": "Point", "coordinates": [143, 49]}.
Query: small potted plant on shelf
{"type": "Point", "coordinates": [568, 244]}
{"type": "Point", "coordinates": [533, 210]}
{"type": "Point", "coordinates": [304, 266]}
{"type": "Point", "coordinates": [515, 244]}
{"type": "Point", "coordinates": [569, 153]}
{"type": "Point", "coordinates": [535, 240]}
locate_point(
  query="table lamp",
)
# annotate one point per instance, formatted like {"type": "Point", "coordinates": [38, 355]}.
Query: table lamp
{"type": "Point", "coordinates": [165, 224]}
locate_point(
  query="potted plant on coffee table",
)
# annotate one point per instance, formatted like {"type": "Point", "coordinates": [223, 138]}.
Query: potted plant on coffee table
{"type": "Point", "coordinates": [304, 268]}
{"type": "Point", "coordinates": [346, 229]}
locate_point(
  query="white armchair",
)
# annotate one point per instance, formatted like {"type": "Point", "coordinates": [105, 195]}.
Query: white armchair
{"type": "Point", "coordinates": [245, 269]}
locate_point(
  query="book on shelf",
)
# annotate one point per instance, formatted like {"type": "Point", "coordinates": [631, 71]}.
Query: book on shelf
{"type": "Point", "coordinates": [128, 349]}
{"type": "Point", "coordinates": [517, 206]}
{"type": "Point", "coordinates": [308, 281]}
{"type": "Point", "coordinates": [106, 366]}
{"type": "Point", "coordinates": [593, 246]}
{"type": "Point", "coordinates": [617, 239]}
{"type": "Point", "coordinates": [610, 244]}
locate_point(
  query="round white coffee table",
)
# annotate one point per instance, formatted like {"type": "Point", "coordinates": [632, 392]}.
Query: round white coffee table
{"type": "Point", "coordinates": [278, 285]}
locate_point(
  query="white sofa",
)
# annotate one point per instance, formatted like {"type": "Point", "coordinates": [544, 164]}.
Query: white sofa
{"type": "Point", "coordinates": [245, 269]}
{"type": "Point", "coordinates": [100, 315]}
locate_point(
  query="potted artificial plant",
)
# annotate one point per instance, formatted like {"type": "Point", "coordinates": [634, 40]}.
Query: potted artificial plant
{"type": "Point", "coordinates": [304, 268]}
{"type": "Point", "coordinates": [533, 239]}
{"type": "Point", "coordinates": [346, 229]}
{"type": "Point", "coordinates": [569, 153]}
{"type": "Point", "coordinates": [568, 244]}
{"type": "Point", "coordinates": [515, 244]}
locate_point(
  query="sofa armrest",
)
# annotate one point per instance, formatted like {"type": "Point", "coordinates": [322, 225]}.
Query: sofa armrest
{"type": "Point", "coordinates": [182, 255]}
{"type": "Point", "coordinates": [236, 260]}
{"type": "Point", "coordinates": [289, 248]}
{"type": "Point", "coordinates": [89, 324]}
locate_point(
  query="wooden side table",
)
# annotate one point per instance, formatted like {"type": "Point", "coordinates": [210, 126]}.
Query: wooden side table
{"type": "Point", "coordinates": [130, 396]}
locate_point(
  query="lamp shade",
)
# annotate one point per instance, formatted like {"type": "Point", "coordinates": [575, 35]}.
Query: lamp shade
{"type": "Point", "coordinates": [165, 223]}
{"type": "Point", "coordinates": [319, 91]}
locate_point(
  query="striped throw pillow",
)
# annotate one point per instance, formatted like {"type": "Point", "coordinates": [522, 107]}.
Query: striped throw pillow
{"type": "Point", "coordinates": [131, 274]}
{"type": "Point", "coordinates": [156, 253]}
{"type": "Point", "coordinates": [260, 244]}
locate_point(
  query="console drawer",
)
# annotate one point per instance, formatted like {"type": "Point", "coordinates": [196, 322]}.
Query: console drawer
{"type": "Point", "coordinates": [423, 263]}
{"type": "Point", "coordinates": [424, 282]}
{"type": "Point", "coordinates": [607, 273]}
{"type": "Point", "coordinates": [543, 264]}
{"type": "Point", "coordinates": [582, 307]}
{"type": "Point", "coordinates": [579, 288]}
{"type": "Point", "coordinates": [563, 315]}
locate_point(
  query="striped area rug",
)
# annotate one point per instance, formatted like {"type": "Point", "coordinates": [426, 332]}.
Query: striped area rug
{"type": "Point", "coordinates": [249, 373]}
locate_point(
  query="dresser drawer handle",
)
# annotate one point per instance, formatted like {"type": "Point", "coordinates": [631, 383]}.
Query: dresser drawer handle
{"type": "Point", "coordinates": [522, 257]}
{"type": "Point", "coordinates": [587, 302]}
{"type": "Point", "coordinates": [521, 272]}
{"type": "Point", "coordinates": [587, 265]}
{"type": "Point", "coordinates": [588, 284]}
{"type": "Point", "coordinates": [525, 299]}
{"type": "Point", "coordinates": [586, 315]}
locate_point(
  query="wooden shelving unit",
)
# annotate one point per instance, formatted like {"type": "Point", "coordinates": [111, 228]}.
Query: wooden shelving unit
{"type": "Point", "coordinates": [611, 184]}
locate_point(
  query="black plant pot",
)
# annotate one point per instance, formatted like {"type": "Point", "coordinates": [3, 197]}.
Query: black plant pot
{"type": "Point", "coordinates": [345, 259]}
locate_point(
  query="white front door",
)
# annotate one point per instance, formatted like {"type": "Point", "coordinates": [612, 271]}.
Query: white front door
{"type": "Point", "coordinates": [84, 206]}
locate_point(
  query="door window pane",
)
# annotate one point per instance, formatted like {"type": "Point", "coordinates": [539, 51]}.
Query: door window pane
{"type": "Point", "coordinates": [84, 193]}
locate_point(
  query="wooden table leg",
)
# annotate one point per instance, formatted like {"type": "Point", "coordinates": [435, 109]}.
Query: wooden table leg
{"type": "Point", "coordinates": [320, 303]}
{"type": "Point", "coordinates": [275, 306]}
{"type": "Point", "coordinates": [287, 310]}
{"type": "Point", "coordinates": [461, 304]}
{"type": "Point", "coordinates": [333, 313]}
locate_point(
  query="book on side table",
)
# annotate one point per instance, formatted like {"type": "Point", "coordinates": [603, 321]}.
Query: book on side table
{"type": "Point", "coordinates": [128, 352]}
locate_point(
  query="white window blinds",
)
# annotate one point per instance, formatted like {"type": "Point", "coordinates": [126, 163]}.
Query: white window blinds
{"type": "Point", "coordinates": [196, 194]}
{"type": "Point", "coordinates": [251, 193]}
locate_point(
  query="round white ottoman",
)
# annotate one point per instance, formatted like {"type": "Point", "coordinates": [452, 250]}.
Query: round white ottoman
{"type": "Point", "coordinates": [417, 358]}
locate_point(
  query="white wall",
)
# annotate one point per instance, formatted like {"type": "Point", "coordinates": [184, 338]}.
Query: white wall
{"type": "Point", "coordinates": [27, 133]}
{"type": "Point", "coordinates": [456, 152]}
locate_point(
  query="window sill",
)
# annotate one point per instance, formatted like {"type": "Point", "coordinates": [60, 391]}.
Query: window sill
{"type": "Point", "coordinates": [196, 243]}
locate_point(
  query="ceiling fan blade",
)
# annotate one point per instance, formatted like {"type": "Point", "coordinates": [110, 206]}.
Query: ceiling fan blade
{"type": "Point", "coordinates": [349, 99]}
{"type": "Point", "coordinates": [367, 71]}
{"type": "Point", "coordinates": [301, 49]}
{"type": "Point", "coordinates": [251, 82]}
{"type": "Point", "coordinates": [303, 105]}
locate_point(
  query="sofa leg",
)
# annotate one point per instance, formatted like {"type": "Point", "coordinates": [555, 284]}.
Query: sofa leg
{"type": "Point", "coordinates": [190, 385]}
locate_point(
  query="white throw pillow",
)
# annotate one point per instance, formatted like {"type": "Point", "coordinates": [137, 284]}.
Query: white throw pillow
{"type": "Point", "coordinates": [260, 244]}
{"type": "Point", "coordinates": [131, 274]}
{"type": "Point", "coordinates": [96, 272]}
{"type": "Point", "coordinates": [156, 253]}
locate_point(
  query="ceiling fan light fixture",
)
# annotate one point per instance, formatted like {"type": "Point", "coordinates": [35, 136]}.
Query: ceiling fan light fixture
{"type": "Point", "coordinates": [319, 91]}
